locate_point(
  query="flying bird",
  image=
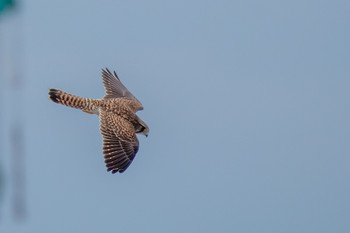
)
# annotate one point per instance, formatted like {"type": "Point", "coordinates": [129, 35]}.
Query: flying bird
{"type": "Point", "coordinates": [119, 123]}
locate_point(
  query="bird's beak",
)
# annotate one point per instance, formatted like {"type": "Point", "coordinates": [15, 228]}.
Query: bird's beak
{"type": "Point", "coordinates": [146, 135]}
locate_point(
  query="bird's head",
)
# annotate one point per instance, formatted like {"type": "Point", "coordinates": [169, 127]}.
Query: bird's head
{"type": "Point", "coordinates": [142, 128]}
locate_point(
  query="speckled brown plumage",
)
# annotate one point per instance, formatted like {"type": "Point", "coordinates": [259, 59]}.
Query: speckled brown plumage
{"type": "Point", "coordinates": [119, 123]}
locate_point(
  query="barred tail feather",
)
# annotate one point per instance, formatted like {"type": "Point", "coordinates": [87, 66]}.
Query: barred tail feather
{"type": "Point", "coordinates": [64, 98]}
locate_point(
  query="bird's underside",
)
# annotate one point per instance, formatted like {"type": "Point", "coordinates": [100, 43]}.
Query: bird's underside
{"type": "Point", "coordinates": [118, 122]}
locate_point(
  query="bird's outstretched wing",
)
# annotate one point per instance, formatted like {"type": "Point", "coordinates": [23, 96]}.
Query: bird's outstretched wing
{"type": "Point", "coordinates": [120, 143]}
{"type": "Point", "coordinates": [115, 89]}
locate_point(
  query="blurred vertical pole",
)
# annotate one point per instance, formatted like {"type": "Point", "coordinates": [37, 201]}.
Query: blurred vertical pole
{"type": "Point", "coordinates": [16, 108]}
{"type": "Point", "coordinates": [4, 6]}
{"type": "Point", "coordinates": [2, 179]}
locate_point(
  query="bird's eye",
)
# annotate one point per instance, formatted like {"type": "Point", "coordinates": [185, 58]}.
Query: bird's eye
{"type": "Point", "coordinates": [140, 129]}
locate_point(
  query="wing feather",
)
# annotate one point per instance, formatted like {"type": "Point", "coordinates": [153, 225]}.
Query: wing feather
{"type": "Point", "coordinates": [120, 143]}
{"type": "Point", "coordinates": [115, 89]}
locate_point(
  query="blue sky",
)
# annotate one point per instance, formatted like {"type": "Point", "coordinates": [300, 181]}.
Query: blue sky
{"type": "Point", "coordinates": [247, 104]}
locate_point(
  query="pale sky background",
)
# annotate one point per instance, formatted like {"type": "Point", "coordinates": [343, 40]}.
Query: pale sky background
{"type": "Point", "coordinates": [247, 104]}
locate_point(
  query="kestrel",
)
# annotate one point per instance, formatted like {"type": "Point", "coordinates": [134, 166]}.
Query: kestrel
{"type": "Point", "coordinates": [119, 123]}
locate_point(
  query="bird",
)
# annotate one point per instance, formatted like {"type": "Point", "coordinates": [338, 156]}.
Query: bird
{"type": "Point", "coordinates": [119, 123]}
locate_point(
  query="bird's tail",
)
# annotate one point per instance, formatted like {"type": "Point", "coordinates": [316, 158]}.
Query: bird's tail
{"type": "Point", "coordinates": [61, 97]}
